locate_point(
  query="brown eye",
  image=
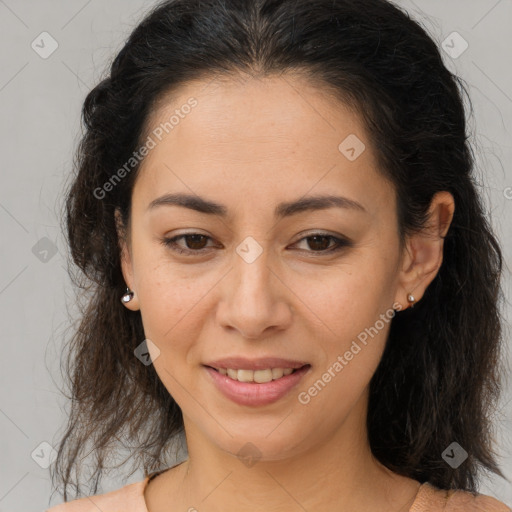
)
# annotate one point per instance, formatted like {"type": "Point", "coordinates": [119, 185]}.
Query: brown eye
{"type": "Point", "coordinates": [319, 242]}
{"type": "Point", "coordinates": [195, 242]}
{"type": "Point", "coordinates": [323, 243]}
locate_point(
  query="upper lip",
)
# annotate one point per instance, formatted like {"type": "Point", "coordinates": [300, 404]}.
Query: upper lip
{"type": "Point", "coordinates": [242, 363]}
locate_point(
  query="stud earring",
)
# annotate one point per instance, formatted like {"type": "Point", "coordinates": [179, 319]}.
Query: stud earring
{"type": "Point", "coordinates": [411, 299]}
{"type": "Point", "coordinates": [128, 296]}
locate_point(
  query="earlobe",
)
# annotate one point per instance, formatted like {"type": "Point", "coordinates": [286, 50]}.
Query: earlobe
{"type": "Point", "coordinates": [129, 300]}
{"type": "Point", "coordinates": [128, 296]}
{"type": "Point", "coordinates": [424, 250]}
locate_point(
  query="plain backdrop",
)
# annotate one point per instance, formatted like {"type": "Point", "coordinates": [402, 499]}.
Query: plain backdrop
{"type": "Point", "coordinates": [41, 94]}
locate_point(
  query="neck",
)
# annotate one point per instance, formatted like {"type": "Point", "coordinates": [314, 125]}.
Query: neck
{"type": "Point", "coordinates": [335, 473]}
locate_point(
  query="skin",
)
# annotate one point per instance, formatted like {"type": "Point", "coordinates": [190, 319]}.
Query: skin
{"type": "Point", "coordinates": [251, 144]}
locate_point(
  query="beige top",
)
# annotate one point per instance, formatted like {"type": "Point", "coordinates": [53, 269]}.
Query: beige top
{"type": "Point", "coordinates": [130, 498]}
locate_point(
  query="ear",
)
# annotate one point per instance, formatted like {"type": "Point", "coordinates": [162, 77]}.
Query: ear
{"type": "Point", "coordinates": [126, 260]}
{"type": "Point", "coordinates": [423, 251]}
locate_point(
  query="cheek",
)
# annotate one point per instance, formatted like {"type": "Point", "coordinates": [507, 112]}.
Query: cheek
{"type": "Point", "coordinates": [351, 308]}
{"type": "Point", "coordinates": [168, 303]}
{"type": "Point", "coordinates": [172, 310]}
{"type": "Point", "coordinates": [175, 304]}
{"type": "Point", "coordinates": [355, 321]}
{"type": "Point", "coordinates": [347, 298]}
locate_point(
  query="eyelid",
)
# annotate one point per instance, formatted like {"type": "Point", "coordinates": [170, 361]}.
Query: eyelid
{"type": "Point", "coordinates": [310, 233]}
{"type": "Point", "coordinates": [170, 243]}
{"type": "Point", "coordinates": [341, 242]}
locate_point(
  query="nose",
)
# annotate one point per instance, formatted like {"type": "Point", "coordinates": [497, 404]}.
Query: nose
{"type": "Point", "coordinates": [254, 299]}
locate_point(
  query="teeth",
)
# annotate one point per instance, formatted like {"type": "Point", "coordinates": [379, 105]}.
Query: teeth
{"type": "Point", "coordinates": [259, 376]}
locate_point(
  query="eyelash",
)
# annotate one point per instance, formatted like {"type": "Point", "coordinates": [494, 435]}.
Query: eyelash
{"type": "Point", "coordinates": [340, 243]}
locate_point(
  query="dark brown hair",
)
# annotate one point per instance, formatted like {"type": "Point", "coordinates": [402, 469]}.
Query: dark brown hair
{"type": "Point", "coordinates": [438, 379]}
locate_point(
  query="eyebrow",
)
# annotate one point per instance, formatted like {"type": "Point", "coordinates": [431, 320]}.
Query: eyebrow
{"type": "Point", "coordinates": [285, 209]}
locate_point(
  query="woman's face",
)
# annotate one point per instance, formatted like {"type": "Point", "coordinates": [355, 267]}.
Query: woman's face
{"type": "Point", "coordinates": [261, 277]}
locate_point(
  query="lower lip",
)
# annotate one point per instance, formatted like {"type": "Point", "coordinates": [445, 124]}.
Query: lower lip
{"type": "Point", "coordinates": [254, 394]}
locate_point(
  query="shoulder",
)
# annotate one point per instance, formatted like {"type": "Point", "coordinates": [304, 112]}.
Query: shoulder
{"type": "Point", "coordinates": [129, 498]}
{"type": "Point", "coordinates": [466, 501]}
{"type": "Point", "coordinates": [432, 499]}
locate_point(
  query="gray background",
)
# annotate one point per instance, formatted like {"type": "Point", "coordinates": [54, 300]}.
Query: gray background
{"type": "Point", "coordinates": [40, 101]}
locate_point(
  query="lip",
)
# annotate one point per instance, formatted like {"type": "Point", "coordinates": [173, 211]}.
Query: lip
{"type": "Point", "coordinates": [242, 363]}
{"type": "Point", "coordinates": [252, 393]}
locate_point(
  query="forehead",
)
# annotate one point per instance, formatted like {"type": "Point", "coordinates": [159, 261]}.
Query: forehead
{"type": "Point", "coordinates": [286, 112]}
{"type": "Point", "coordinates": [263, 137]}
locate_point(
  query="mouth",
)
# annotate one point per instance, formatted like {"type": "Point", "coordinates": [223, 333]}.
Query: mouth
{"type": "Point", "coordinates": [256, 388]}
{"type": "Point", "coordinates": [260, 376]}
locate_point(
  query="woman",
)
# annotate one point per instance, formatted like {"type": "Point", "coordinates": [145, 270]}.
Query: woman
{"type": "Point", "coordinates": [280, 193]}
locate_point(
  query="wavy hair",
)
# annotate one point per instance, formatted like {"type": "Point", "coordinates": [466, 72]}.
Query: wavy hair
{"type": "Point", "coordinates": [438, 379]}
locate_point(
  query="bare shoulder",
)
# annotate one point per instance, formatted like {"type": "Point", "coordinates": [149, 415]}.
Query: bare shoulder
{"type": "Point", "coordinates": [129, 498]}
{"type": "Point", "coordinates": [78, 505]}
